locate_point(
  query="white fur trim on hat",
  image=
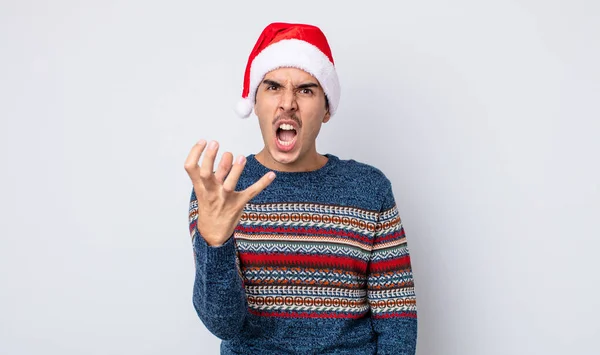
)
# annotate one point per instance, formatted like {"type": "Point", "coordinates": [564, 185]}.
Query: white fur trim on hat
{"type": "Point", "coordinates": [297, 54]}
{"type": "Point", "coordinates": [243, 108]}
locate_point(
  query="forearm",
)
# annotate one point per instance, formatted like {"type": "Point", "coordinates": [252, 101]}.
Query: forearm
{"type": "Point", "coordinates": [393, 303]}
{"type": "Point", "coordinates": [390, 281]}
{"type": "Point", "coordinates": [392, 300]}
{"type": "Point", "coordinates": [218, 297]}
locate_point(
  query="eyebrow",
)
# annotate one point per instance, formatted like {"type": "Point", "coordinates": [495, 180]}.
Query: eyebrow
{"type": "Point", "coordinates": [307, 85]}
{"type": "Point", "coordinates": [270, 82]}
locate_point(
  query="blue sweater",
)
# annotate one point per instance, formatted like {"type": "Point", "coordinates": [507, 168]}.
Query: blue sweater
{"type": "Point", "coordinates": [318, 264]}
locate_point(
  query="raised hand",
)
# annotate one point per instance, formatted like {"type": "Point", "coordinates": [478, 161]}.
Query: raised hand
{"type": "Point", "coordinates": [220, 207]}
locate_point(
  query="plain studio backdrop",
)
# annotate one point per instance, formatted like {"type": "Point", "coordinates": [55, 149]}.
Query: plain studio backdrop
{"type": "Point", "coordinates": [483, 114]}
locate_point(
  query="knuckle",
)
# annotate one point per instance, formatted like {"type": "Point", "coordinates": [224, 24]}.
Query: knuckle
{"type": "Point", "coordinates": [189, 166]}
{"type": "Point", "coordinates": [211, 197]}
{"type": "Point", "coordinates": [204, 174]}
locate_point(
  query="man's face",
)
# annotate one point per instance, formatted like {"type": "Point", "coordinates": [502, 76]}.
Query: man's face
{"type": "Point", "coordinates": [294, 97]}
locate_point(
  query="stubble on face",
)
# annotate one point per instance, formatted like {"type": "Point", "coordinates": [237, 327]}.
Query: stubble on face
{"type": "Point", "coordinates": [290, 94]}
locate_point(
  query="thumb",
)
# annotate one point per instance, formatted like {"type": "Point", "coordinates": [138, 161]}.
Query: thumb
{"type": "Point", "coordinates": [258, 186]}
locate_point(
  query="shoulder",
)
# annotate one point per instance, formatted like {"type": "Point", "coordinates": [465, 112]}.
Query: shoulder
{"type": "Point", "coordinates": [363, 172]}
{"type": "Point", "coordinates": [364, 180]}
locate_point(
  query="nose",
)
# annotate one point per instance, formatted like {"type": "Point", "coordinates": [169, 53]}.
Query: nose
{"type": "Point", "coordinates": [288, 101]}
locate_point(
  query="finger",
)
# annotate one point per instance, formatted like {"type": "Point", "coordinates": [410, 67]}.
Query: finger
{"type": "Point", "coordinates": [191, 162]}
{"type": "Point", "coordinates": [258, 186]}
{"type": "Point", "coordinates": [206, 168]}
{"type": "Point", "coordinates": [234, 175]}
{"type": "Point", "coordinates": [224, 167]}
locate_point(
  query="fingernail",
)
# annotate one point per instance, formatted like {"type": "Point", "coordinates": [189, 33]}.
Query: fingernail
{"type": "Point", "coordinates": [200, 142]}
{"type": "Point", "coordinates": [212, 145]}
{"type": "Point", "coordinates": [240, 159]}
{"type": "Point", "coordinates": [271, 175]}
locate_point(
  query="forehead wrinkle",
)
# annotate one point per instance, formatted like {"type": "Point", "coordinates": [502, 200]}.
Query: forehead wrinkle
{"type": "Point", "coordinates": [285, 76]}
{"type": "Point", "coordinates": [309, 84]}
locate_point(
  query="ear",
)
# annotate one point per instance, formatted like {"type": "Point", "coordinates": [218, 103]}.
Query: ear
{"type": "Point", "coordinates": [327, 117]}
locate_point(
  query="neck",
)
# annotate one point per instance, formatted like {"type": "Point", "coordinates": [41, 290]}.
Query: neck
{"type": "Point", "coordinates": [308, 162]}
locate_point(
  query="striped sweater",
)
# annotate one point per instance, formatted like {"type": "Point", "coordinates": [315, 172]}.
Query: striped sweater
{"type": "Point", "coordinates": [318, 264]}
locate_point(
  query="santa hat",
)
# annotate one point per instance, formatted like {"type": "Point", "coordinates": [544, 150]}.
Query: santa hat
{"type": "Point", "coordinates": [290, 45]}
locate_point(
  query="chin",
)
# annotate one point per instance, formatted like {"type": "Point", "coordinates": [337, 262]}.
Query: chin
{"type": "Point", "coordinates": [283, 157]}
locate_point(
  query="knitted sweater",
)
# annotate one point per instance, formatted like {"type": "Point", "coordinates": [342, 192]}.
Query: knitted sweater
{"type": "Point", "coordinates": [318, 264]}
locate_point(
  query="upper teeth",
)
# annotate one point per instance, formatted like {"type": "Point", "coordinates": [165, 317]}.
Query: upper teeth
{"type": "Point", "coordinates": [286, 127]}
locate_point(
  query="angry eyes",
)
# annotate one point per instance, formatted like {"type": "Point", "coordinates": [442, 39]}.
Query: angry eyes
{"type": "Point", "coordinates": [303, 91]}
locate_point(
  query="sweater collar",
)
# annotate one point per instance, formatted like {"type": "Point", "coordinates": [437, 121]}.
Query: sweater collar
{"type": "Point", "coordinates": [254, 165]}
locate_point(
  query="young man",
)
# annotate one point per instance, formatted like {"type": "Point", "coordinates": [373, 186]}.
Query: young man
{"type": "Point", "coordinates": [297, 252]}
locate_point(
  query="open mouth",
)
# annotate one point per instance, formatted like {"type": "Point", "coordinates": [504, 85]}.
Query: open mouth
{"type": "Point", "coordinates": [286, 136]}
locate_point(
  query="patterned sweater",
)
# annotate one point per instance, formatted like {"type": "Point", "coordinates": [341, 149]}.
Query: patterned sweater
{"type": "Point", "coordinates": [318, 264]}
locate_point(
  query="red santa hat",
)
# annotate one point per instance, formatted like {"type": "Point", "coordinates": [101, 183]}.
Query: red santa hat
{"type": "Point", "coordinates": [300, 46]}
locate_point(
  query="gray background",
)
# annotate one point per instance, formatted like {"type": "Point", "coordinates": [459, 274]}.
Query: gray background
{"type": "Point", "coordinates": [483, 114]}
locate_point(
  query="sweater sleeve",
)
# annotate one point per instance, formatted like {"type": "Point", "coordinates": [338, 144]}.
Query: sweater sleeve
{"type": "Point", "coordinates": [218, 296]}
{"type": "Point", "coordinates": [391, 285]}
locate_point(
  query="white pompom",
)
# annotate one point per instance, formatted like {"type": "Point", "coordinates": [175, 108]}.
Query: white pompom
{"type": "Point", "coordinates": [243, 108]}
